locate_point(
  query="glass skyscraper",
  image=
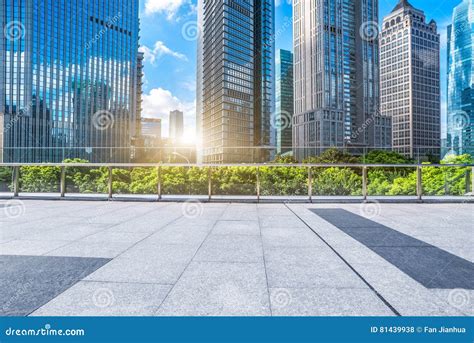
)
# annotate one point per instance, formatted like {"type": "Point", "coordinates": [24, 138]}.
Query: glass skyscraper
{"type": "Point", "coordinates": [460, 115]}
{"type": "Point", "coordinates": [68, 79]}
{"type": "Point", "coordinates": [284, 101]}
{"type": "Point", "coordinates": [235, 84]}
{"type": "Point", "coordinates": [336, 57]}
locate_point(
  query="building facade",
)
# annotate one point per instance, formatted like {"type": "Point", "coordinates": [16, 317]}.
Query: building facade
{"type": "Point", "coordinates": [284, 102]}
{"type": "Point", "coordinates": [237, 73]}
{"type": "Point", "coordinates": [410, 81]}
{"type": "Point", "coordinates": [151, 132]}
{"type": "Point", "coordinates": [68, 79]}
{"type": "Point", "coordinates": [460, 115]}
{"type": "Point", "coordinates": [138, 111]}
{"type": "Point", "coordinates": [336, 72]}
{"type": "Point", "coordinates": [199, 82]}
{"type": "Point", "coordinates": [176, 125]}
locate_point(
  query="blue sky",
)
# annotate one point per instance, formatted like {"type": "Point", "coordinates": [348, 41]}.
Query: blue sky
{"type": "Point", "coordinates": [167, 38]}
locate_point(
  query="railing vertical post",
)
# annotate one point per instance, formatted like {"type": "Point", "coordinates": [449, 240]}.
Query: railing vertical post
{"type": "Point", "coordinates": [364, 183]}
{"type": "Point", "coordinates": [472, 180]}
{"type": "Point", "coordinates": [467, 181]}
{"type": "Point", "coordinates": [419, 183]}
{"type": "Point", "coordinates": [310, 185]}
{"type": "Point", "coordinates": [63, 182]}
{"type": "Point", "coordinates": [209, 183]}
{"type": "Point", "coordinates": [258, 184]}
{"type": "Point", "coordinates": [159, 182]}
{"type": "Point", "coordinates": [16, 181]}
{"type": "Point", "coordinates": [110, 183]}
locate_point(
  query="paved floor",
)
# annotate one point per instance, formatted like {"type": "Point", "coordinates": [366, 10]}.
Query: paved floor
{"type": "Point", "coordinates": [127, 258]}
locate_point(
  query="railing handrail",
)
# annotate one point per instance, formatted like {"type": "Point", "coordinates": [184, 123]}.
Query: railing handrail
{"type": "Point", "coordinates": [217, 165]}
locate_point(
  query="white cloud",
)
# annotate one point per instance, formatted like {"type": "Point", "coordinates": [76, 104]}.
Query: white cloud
{"type": "Point", "coordinates": [160, 49]}
{"type": "Point", "coordinates": [159, 102]}
{"type": "Point", "coordinates": [168, 7]}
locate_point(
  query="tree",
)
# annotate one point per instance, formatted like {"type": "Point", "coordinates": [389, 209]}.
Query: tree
{"type": "Point", "coordinates": [333, 156]}
{"type": "Point", "coordinates": [385, 157]}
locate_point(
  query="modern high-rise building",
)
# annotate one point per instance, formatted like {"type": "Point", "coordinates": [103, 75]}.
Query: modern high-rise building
{"type": "Point", "coordinates": [237, 98]}
{"type": "Point", "coordinates": [151, 129]}
{"type": "Point", "coordinates": [67, 79]}
{"type": "Point", "coordinates": [410, 81]}
{"type": "Point", "coordinates": [284, 102]}
{"type": "Point", "coordinates": [176, 125]}
{"type": "Point", "coordinates": [140, 74]}
{"type": "Point", "coordinates": [199, 81]}
{"type": "Point", "coordinates": [460, 115]}
{"type": "Point", "coordinates": [336, 71]}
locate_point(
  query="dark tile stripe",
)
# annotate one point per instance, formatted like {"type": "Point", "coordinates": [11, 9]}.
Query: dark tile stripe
{"type": "Point", "coordinates": [28, 282]}
{"type": "Point", "coordinates": [427, 264]}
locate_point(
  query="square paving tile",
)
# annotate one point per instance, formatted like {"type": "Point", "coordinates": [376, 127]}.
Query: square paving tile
{"type": "Point", "coordinates": [27, 247]}
{"type": "Point", "coordinates": [296, 237]}
{"type": "Point", "coordinates": [326, 302]}
{"type": "Point", "coordinates": [237, 227]}
{"type": "Point", "coordinates": [231, 248]}
{"type": "Point", "coordinates": [146, 270]}
{"type": "Point", "coordinates": [88, 298]}
{"type": "Point", "coordinates": [219, 289]}
{"type": "Point", "coordinates": [91, 249]}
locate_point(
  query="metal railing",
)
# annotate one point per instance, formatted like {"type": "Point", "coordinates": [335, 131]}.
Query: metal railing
{"type": "Point", "coordinates": [309, 166]}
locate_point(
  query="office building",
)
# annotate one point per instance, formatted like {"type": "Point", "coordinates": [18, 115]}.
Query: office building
{"type": "Point", "coordinates": [410, 81]}
{"type": "Point", "coordinates": [460, 114]}
{"type": "Point", "coordinates": [336, 71]}
{"type": "Point", "coordinates": [199, 82]}
{"type": "Point", "coordinates": [176, 126]}
{"type": "Point", "coordinates": [151, 127]}
{"type": "Point", "coordinates": [140, 75]}
{"type": "Point", "coordinates": [284, 102]}
{"type": "Point", "coordinates": [68, 79]}
{"type": "Point", "coordinates": [237, 73]}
